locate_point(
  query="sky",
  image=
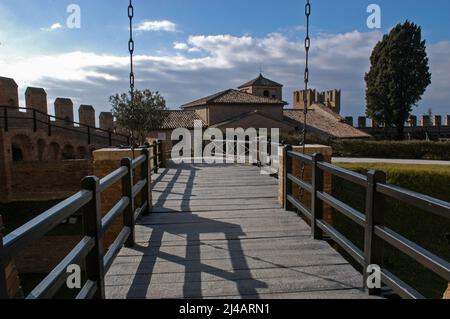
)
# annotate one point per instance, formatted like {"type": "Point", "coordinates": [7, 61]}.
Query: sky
{"type": "Point", "coordinates": [190, 49]}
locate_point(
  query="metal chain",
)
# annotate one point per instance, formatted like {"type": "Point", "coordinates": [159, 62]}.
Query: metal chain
{"type": "Point", "coordinates": [305, 95]}
{"type": "Point", "coordinates": [131, 50]}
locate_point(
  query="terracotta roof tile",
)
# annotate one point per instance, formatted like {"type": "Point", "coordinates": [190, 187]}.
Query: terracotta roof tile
{"type": "Point", "coordinates": [180, 119]}
{"type": "Point", "coordinates": [233, 97]}
{"type": "Point", "coordinates": [322, 121]}
{"type": "Point", "coordinates": [260, 81]}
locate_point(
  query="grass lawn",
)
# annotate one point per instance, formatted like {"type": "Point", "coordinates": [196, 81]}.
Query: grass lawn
{"type": "Point", "coordinates": [421, 227]}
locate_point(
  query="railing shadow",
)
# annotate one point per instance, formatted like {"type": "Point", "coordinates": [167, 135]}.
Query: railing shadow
{"type": "Point", "coordinates": [191, 232]}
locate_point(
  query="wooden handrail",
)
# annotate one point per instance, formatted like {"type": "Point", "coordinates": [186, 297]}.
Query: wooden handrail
{"type": "Point", "coordinates": [376, 233]}
{"type": "Point", "coordinates": [90, 248]}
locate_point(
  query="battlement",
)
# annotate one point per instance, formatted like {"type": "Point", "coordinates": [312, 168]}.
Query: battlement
{"type": "Point", "coordinates": [425, 121]}
{"type": "Point", "coordinates": [436, 127]}
{"type": "Point", "coordinates": [36, 99]}
{"type": "Point", "coordinates": [330, 99]}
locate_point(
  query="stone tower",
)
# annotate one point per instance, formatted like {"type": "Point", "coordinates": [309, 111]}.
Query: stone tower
{"type": "Point", "coordinates": [36, 98]}
{"type": "Point", "coordinates": [262, 86]}
{"type": "Point", "coordinates": [106, 121]}
{"type": "Point", "coordinates": [64, 111]}
{"type": "Point", "coordinates": [86, 114]}
{"type": "Point", "coordinates": [9, 92]}
{"type": "Point", "coordinates": [330, 99]}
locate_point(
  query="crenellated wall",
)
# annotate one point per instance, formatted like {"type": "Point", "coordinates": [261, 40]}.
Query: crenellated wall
{"type": "Point", "coordinates": [30, 135]}
{"type": "Point", "coordinates": [425, 127]}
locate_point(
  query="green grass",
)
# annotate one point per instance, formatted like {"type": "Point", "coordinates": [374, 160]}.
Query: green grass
{"type": "Point", "coordinates": [425, 229]}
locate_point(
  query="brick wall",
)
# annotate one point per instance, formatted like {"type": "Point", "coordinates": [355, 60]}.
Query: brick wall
{"type": "Point", "coordinates": [45, 254]}
{"type": "Point", "coordinates": [38, 181]}
{"type": "Point", "coordinates": [105, 162]}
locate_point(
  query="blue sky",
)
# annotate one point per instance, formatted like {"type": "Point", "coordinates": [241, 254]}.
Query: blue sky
{"type": "Point", "coordinates": [189, 49]}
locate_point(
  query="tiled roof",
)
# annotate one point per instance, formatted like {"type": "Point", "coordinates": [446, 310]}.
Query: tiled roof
{"type": "Point", "coordinates": [180, 119]}
{"type": "Point", "coordinates": [324, 122]}
{"type": "Point", "coordinates": [247, 114]}
{"type": "Point", "coordinates": [260, 81]}
{"type": "Point", "coordinates": [233, 97]}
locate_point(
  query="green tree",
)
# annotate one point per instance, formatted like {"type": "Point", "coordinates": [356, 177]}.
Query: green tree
{"type": "Point", "coordinates": [146, 114]}
{"type": "Point", "coordinates": [398, 76]}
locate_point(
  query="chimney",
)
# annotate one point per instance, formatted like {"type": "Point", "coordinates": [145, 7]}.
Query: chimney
{"type": "Point", "coordinates": [86, 114]}
{"type": "Point", "coordinates": [64, 111]}
{"type": "Point", "coordinates": [36, 98]}
{"type": "Point", "coordinates": [106, 121]}
{"type": "Point", "coordinates": [9, 92]}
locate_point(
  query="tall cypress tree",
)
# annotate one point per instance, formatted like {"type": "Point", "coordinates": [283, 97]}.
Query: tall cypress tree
{"type": "Point", "coordinates": [398, 76]}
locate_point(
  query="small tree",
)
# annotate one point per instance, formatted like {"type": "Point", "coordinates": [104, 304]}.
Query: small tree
{"type": "Point", "coordinates": [146, 114]}
{"type": "Point", "coordinates": [398, 76]}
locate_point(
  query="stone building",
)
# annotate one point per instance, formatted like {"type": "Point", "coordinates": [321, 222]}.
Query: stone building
{"type": "Point", "coordinates": [258, 104]}
{"type": "Point", "coordinates": [330, 99]}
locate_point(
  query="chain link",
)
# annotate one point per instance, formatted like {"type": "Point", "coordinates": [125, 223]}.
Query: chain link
{"type": "Point", "coordinates": [305, 95]}
{"type": "Point", "coordinates": [131, 50]}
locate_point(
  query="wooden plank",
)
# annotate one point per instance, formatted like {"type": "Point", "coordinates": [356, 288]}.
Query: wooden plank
{"type": "Point", "coordinates": [219, 232]}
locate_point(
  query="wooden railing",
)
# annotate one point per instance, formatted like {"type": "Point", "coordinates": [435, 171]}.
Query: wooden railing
{"type": "Point", "coordinates": [50, 122]}
{"type": "Point", "coordinates": [372, 221]}
{"type": "Point", "coordinates": [90, 249]}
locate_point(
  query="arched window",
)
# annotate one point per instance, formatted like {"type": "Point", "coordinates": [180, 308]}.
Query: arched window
{"type": "Point", "coordinates": [17, 153]}
{"type": "Point", "coordinates": [21, 148]}
{"type": "Point", "coordinates": [266, 93]}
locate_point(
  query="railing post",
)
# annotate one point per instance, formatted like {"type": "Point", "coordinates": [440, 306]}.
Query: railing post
{"type": "Point", "coordinates": [89, 135]}
{"type": "Point", "coordinates": [34, 121]}
{"type": "Point", "coordinates": [161, 154]}
{"type": "Point", "coordinates": [3, 279]}
{"type": "Point", "coordinates": [5, 117]}
{"type": "Point", "coordinates": [49, 123]}
{"type": "Point", "coordinates": [92, 224]}
{"type": "Point", "coordinates": [373, 249]}
{"type": "Point", "coordinates": [155, 157]}
{"type": "Point", "coordinates": [145, 174]}
{"type": "Point", "coordinates": [287, 183]}
{"type": "Point", "coordinates": [127, 191]}
{"type": "Point", "coordinates": [316, 203]}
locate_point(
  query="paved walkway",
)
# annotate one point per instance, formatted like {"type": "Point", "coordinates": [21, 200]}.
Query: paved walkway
{"type": "Point", "coordinates": [389, 161]}
{"type": "Point", "coordinates": [218, 232]}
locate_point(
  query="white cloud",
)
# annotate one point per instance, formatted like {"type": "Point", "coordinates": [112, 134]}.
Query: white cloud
{"type": "Point", "coordinates": [180, 46]}
{"type": "Point", "coordinates": [162, 25]}
{"type": "Point", "coordinates": [224, 61]}
{"type": "Point", "coordinates": [53, 27]}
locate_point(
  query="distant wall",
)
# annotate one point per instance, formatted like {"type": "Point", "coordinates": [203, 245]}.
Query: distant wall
{"type": "Point", "coordinates": [434, 128]}
{"type": "Point", "coordinates": [35, 181]}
